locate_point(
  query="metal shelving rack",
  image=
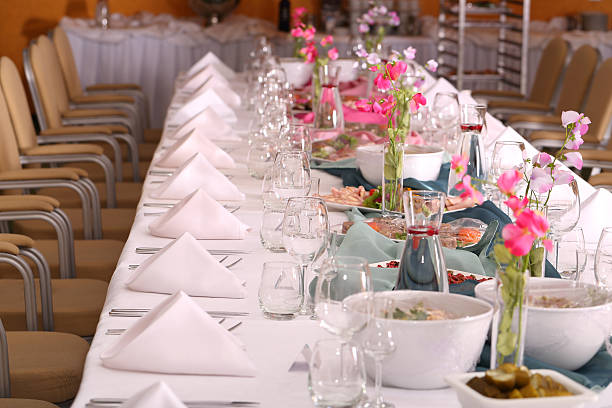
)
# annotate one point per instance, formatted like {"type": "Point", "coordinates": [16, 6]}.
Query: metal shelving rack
{"type": "Point", "coordinates": [509, 17]}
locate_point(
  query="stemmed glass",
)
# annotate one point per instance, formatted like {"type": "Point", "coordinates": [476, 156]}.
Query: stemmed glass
{"type": "Point", "coordinates": [305, 233]}
{"type": "Point", "coordinates": [296, 136]}
{"type": "Point", "coordinates": [291, 174]}
{"type": "Point", "coordinates": [603, 259]}
{"type": "Point", "coordinates": [341, 277]}
{"type": "Point", "coordinates": [572, 256]}
{"type": "Point", "coordinates": [563, 212]}
{"type": "Point", "coordinates": [507, 155]}
{"type": "Point", "coordinates": [378, 343]}
{"type": "Point", "coordinates": [445, 110]}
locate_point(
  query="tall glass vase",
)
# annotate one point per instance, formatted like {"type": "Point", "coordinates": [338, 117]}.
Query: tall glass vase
{"type": "Point", "coordinates": [392, 180]}
{"type": "Point", "coordinates": [327, 105]}
{"type": "Point", "coordinates": [510, 319]}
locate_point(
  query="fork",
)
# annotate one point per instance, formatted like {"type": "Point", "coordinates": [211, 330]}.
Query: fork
{"type": "Point", "coordinates": [117, 402]}
{"type": "Point", "coordinates": [118, 312]}
{"type": "Point", "coordinates": [230, 209]}
{"type": "Point", "coordinates": [131, 267]}
{"type": "Point", "coordinates": [116, 332]}
{"type": "Point", "coordinates": [147, 250]}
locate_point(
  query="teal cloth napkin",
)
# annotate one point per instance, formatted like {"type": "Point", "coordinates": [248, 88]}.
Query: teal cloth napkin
{"type": "Point", "coordinates": [340, 164]}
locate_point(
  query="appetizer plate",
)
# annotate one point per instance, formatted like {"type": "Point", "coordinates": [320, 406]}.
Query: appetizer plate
{"type": "Point", "coordinates": [472, 399]}
{"type": "Point", "coordinates": [346, 207]}
{"type": "Point", "coordinates": [454, 272]}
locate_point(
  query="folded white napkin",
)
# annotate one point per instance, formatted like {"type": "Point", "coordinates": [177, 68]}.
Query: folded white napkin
{"type": "Point", "coordinates": [195, 142]}
{"type": "Point", "coordinates": [193, 82]}
{"type": "Point", "coordinates": [594, 215]}
{"type": "Point", "coordinates": [197, 172]}
{"type": "Point", "coordinates": [178, 337]}
{"type": "Point", "coordinates": [209, 98]}
{"type": "Point", "coordinates": [201, 216]}
{"type": "Point", "coordinates": [158, 395]}
{"type": "Point", "coordinates": [209, 59]}
{"type": "Point", "coordinates": [231, 98]}
{"type": "Point", "coordinates": [185, 265]}
{"type": "Point", "coordinates": [212, 125]}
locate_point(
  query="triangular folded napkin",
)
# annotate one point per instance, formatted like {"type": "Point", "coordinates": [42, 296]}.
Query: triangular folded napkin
{"type": "Point", "coordinates": [211, 59]}
{"type": "Point", "coordinates": [202, 217]}
{"type": "Point", "coordinates": [195, 142]}
{"type": "Point", "coordinates": [591, 219]}
{"type": "Point", "coordinates": [210, 123]}
{"type": "Point", "coordinates": [231, 98]}
{"type": "Point", "coordinates": [178, 337]}
{"type": "Point", "coordinates": [195, 81]}
{"type": "Point", "coordinates": [197, 172]}
{"type": "Point", "coordinates": [158, 395]}
{"type": "Point", "coordinates": [185, 265]}
{"type": "Point", "coordinates": [209, 98]}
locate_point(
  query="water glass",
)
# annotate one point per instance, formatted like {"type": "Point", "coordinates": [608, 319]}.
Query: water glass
{"type": "Point", "coordinates": [271, 231]}
{"type": "Point", "coordinates": [259, 159]}
{"type": "Point", "coordinates": [291, 174]}
{"type": "Point", "coordinates": [603, 259]}
{"type": "Point", "coordinates": [571, 256]}
{"type": "Point", "coordinates": [337, 374]}
{"type": "Point", "coordinates": [297, 136]}
{"type": "Point", "coordinates": [279, 290]}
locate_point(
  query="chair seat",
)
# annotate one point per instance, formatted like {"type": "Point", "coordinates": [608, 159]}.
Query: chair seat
{"type": "Point", "coordinates": [105, 87]}
{"type": "Point", "coordinates": [128, 195]}
{"type": "Point", "coordinates": [116, 224]}
{"type": "Point", "coordinates": [76, 130]}
{"type": "Point", "coordinates": [511, 104]}
{"type": "Point", "coordinates": [95, 259]}
{"type": "Point", "coordinates": [601, 179]}
{"type": "Point", "coordinates": [88, 113]}
{"type": "Point", "coordinates": [497, 94]}
{"type": "Point", "coordinates": [46, 365]}
{"type": "Point", "coordinates": [95, 172]}
{"type": "Point", "coordinates": [598, 155]}
{"type": "Point", "coordinates": [534, 118]}
{"type": "Point", "coordinates": [24, 403]}
{"type": "Point", "coordinates": [77, 304]}
{"type": "Point", "coordinates": [560, 135]}
{"type": "Point", "coordinates": [152, 135]}
{"type": "Point", "coordinates": [145, 151]}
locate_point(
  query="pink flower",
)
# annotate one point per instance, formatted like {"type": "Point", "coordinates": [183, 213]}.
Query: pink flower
{"type": "Point", "coordinates": [410, 53]}
{"type": "Point", "coordinates": [516, 205]}
{"type": "Point", "coordinates": [562, 177]}
{"type": "Point", "coordinates": [396, 69]}
{"type": "Point", "coordinates": [299, 12]}
{"type": "Point", "coordinates": [548, 244]}
{"type": "Point", "coordinates": [459, 164]}
{"type": "Point", "coordinates": [373, 59]}
{"type": "Point", "coordinates": [417, 100]}
{"type": "Point", "coordinates": [373, 68]}
{"type": "Point", "coordinates": [381, 82]}
{"type": "Point", "coordinates": [297, 32]}
{"type": "Point", "coordinates": [574, 159]}
{"type": "Point", "coordinates": [568, 117]}
{"type": "Point", "coordinates": [364, 28]}
{"type": "Point", "coordinates": [469, 192]}
{"type": "Point", "coordinates": [333, 54]}
{"type": "Point", "coordinates": [309, 33]}
{"type": "Point", "coordinates": [364, 105]}
{"type": "Point", "coordinates": [310, 53]}
{"type": "Point", "coordinates": [535, 223]}
{"type": "Point", "coordinates": [431, 65]}
{"type": "Point", "coordinates": [541, 180]}
{"type": "Point", "coordinates": [542, 159]}
{"type": "Point", "coordinates": [575, 140]}
{"type": "Point", "coordinates": [517, 240]}
{"type": "Point", "coordinates": [362, 53]}
{"type": "Point", "coordinates": [327, 40]}
{"type": "Point", "coordinates": [580, 121]}
{"type": "Point", "coordinates": [376, 108]}
{"type": "Point", "coordinates": [387, 105]}
{"type": "Point", "coordinates": [368, 18]}
{"type": "Point", "coordinates": [508, 180]}
{"type": "Point", "coordinates": [395, 20]}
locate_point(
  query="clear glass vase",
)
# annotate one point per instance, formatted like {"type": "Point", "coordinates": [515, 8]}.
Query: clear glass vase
{"type": "Point", "coordinates": [510, 320]}
{"type": "Point", "coordinates": [392, 179]}
{"type": "Point", "coordinates": [327, 103]}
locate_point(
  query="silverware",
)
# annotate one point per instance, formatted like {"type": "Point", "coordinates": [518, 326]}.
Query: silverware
{"type": "Point", "coordinates": [159, 205]}
{"type": "Point", "coordinates": [160, 173]}
{"type": "Point", "coordinates": [131, 267]}
{"type": "Point", "coordinates": [116, 332]}
{"type": "Point", "coordinates": [233, 263]}
{"type": "Point", "coordinates": [147, 250]}
{"type": "Point", "coordinates": [117, 402]}
{"type": "Point", "coordinates": [119, 312]}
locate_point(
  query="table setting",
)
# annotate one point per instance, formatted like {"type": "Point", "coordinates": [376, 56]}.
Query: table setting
{"type": "Point", "coordinates": [242, 283]}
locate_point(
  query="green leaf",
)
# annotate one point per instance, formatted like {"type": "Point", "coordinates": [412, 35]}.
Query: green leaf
{"type": "Point", "coordinates": [502, 254]}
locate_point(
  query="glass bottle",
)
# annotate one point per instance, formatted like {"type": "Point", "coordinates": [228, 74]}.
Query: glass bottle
{"type": "Point", "coordinates": [328, 104]}
{"type": "Point", "coordinates": [102, 14]}
{"type": "Point", "coordinates": [422, 265]}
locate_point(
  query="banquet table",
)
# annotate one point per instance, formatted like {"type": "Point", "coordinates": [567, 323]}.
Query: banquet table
{"type": "Point", "coordinates": [273, 346]}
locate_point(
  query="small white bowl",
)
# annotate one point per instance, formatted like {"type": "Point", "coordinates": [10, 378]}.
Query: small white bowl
{"type": "Point", "coordinates": [348, 69]}
{"type": "Point", "coordinates": [564, 337]}
{"type": "Point", "coordinates": [472, 399]}
{"type": "Point", "coordinates": [420, 162]}
{"type": "Point", "coordinates": [427, 350]}
{"type": "Point", "coordinates": [298, 72]}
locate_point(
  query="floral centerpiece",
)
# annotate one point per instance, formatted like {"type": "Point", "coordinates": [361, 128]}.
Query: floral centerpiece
{"type": "Point", "coordinates": [374, 25]}
{"type": "Point", "coordinates": [525, 239]}
{"type": "Point", "coordinates": [305, 47]}
{"type": "Point", "coordinates": [395, 102]}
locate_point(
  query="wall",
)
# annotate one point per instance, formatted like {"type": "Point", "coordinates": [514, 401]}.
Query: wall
{"type": "Point", "coordinates": [22, 20]}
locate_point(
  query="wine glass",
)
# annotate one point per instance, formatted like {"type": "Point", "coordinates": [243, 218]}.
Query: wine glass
{"type": "Point", "coordinates": [291, 176]}
{"type": "Point", "coordinates": [603, 259]}
{"type": "Point", "coordinates": [571, 255]}
{"type": "Point", "coordinates": [562, 211]}
{"type": "Point", "coordinates": [305, 233]}
{"type": "Point", "coordinates": [445, 110]}
{"type": "Point", "coordinates": [296, 136]}
{"type": "Point", "coordinates": [341, 277]}
{"type": "Point", "coordinates": [507, 155]}
{"type": "Point", "coordinates": [378, 343]}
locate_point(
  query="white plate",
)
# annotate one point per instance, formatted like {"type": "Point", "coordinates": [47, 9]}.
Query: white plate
{"type": "Point", "coordinates": [472, 399]}
{"type": "Point", "coordinates": [452, 271]}
{"type": "Point", "coordinates": [346, 207]}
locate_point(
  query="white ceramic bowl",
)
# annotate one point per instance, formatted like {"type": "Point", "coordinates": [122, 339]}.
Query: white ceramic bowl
{"type": "Point", "coordinates": [420, 162]}
{"type": "Point", "coordinates": [472, 399]}
{"type": "Point", "coordinates": [298, 72]}
{"type": "Point", "coordinates": [429, 350]}
{"type": "Point", "coordinates": [348, 69]}
{"type": "Point", "coordinates": [564, 337]}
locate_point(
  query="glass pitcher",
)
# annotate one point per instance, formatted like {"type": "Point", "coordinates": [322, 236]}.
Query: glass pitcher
{"type": "Point", "coordinates": [328, 107]}
{"type": "Point", "coordinates": [422, 265]}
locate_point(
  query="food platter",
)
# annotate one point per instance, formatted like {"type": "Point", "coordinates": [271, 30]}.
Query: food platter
{"type": "Point", "coordinates": [452, 273]}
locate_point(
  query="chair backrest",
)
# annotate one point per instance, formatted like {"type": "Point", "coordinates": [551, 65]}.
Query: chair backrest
{"type": "Point", "coordinates": [9, 153]}
{"type": "Point", "coordinates": [598, 105]}
{"type": "Point", "coordinates": [5, 378]}
{"type": "Point", "coordinates": [549, 70]}
{"type": "Point", "coordinates": [17, 103]}
{"type": "Point", "coordinates": [66, 59]}
{"type": "Point", "coordinates": [577, 79]}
